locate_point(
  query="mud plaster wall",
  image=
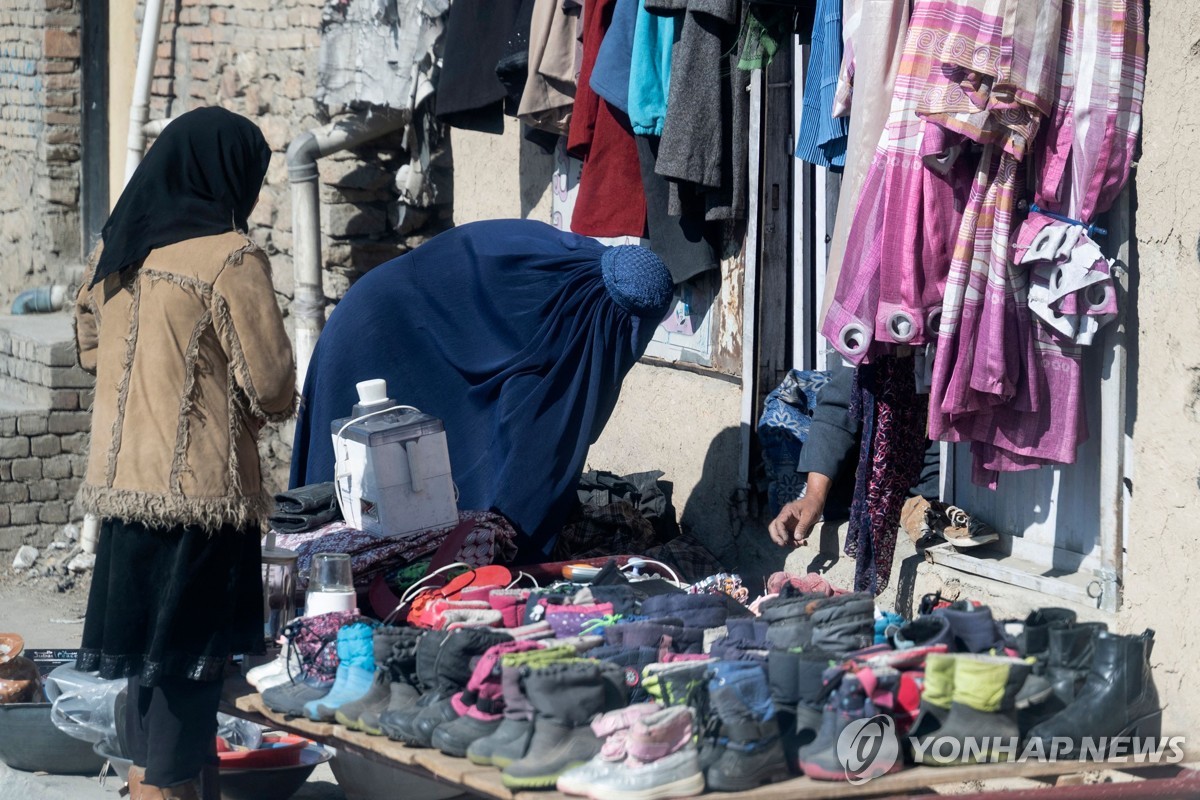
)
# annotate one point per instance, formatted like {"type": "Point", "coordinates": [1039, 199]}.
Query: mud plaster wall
{"type": "Point", "coordinates": [1162, 589]}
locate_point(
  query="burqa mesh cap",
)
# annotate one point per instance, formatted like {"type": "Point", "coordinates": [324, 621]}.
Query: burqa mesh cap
{"type": "Point", "coordinates": [637, 280]}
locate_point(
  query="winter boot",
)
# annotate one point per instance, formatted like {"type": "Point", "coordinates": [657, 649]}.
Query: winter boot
{"type": "Point", "coordinates": [1118, 698]}
{"type": "Point", "coordinates": [696, 610]}
{"type": "Point", "coordinates": [569, 620]}
{"type": "Point", "coordinates": [849, 702]}
{"type": "Point", "coordinates": [511, 738]}
{"type": "Point", "coordinates": [376, 699]}
{"type": "Point", "coordinates": [1034, 639]}
{"type": "Point", "coordinates": [402, 680]}
{"type": "Point", "coordinates": [676, 684]}
{"type": "Point", "coordinates": [1069, 658]}
{"type": "Point", "coordinates": [511, 605]}
{"type": "Point", "coordinates": [974, 629]}
{"type": "Point", "coordinates": [400, 714]}
{"type": "Point", "coordinates": [753, 753]}
{"type": "Point", "coordinates": [927, 631]}
{"type": "Point", "coordinates": [355, 672]}
{"type": "Point", "coordinates": [936, 695]}
{"type": "Point", "coordinates": [480, 706]}
{"type": "Point", "coordinates": [663, 762]}
{"type": "Point", "coordinates": [565, 698]}
{"type": "Point", "coordinates": [454, 666]}
{"type": "Point", "coordinates": [981, 725]}
{"type": "Point", "coordinates": [612, 728]}
{"type": "Point", "coordinates": [314, 641]}
{"type": "Point", "coordinates": [844, 623]}
{"type": "Point", "coordinates": [631, 660]}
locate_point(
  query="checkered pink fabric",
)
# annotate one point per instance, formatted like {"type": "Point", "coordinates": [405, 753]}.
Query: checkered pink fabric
{"type": "Point", "coordinates": [1082, 164]}
{"type": "Point", "coordinates": [900, 241]}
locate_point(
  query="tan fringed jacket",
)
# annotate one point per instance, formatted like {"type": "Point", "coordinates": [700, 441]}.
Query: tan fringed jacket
{"type": "Point", "coordinates": [191, 357]}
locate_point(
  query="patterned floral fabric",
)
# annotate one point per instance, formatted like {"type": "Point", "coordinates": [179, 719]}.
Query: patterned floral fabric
{"type": "Point", "coordinates": [893, 451]}
{"type": "Point", "coordinates": [782, 432]}
{"type": "Point", "coordinates": [492, 541]}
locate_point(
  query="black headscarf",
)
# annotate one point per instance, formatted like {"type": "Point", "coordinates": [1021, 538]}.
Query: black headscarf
{"type": "Point", "coordinates": [201, 178]}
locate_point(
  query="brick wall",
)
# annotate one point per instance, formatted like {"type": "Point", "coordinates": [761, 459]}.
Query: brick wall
{"type": "Point", "coordinates": [44, 425]}
{"type": "Point", "coordinates": [39, 142]}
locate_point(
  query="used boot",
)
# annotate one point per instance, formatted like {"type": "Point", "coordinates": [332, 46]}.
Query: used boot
{"type": "Point", "coordinates": [1118, 699]}
{"type": "Point", "coordinates": [753, 753]}
{"type": "Point", "coordinates": [314, 640]}
{"type": "Point", "coordinates": [188, 790]}
{"type": "Point", "coordinates": [565, 698]}
{"type": "Point", "coordinates": [848, 702]}
{"type": "Point", "coordinates": [631, 660]}
{"type": "Point", "coordinates": [612, 728]}
{"type": "Point", "coordinates": [1034, 639]}
{"type": "Point", "coordinates": [377, 698]}
{"type": "Point", "coordinates": [696, 610]}
{"type": "Point", "coordinates": [844, 623]}
{"type": "Point", "coordinates": [480, 705]}
{"type": "Point", "coordinates": [511, 738]}
{"type": "Point", "coordinates": [662, 763]}
{"type": "Point", "coordinates": [1069, 658]}
{"type": "Point", "coordinates": [981, 726]}
{"type": "Point", "coordinates": [927, 631]}
{"type": "Point", "coordinates": [355, 672]}
{"type": "Point", "coordinates": [937, 694]}
{"type": "Point", "coordinates": [974, 629]}
{"type": "Point", "coordinates": [396, 720]}
{"type": "Point", "coordinates": [453, 670]}
{"type": "Point", "coordinates": [402, 680]}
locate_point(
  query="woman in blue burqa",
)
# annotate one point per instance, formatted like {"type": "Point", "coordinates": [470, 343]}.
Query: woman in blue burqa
{"type": "Point", "coordinates": [516, 335]}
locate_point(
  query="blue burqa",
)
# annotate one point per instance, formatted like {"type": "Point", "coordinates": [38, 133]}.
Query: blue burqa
{"type": "Point", "coordinates": [516, 335]}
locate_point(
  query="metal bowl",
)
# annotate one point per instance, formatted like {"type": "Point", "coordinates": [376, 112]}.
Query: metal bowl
{"type": "Point", "coordinates": [30, 742]}
{"type": "Point", "coordinates": [263, 783]}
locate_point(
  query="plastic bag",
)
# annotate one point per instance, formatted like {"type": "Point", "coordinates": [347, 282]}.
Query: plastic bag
{"type": "Point", "coordinates": [239, 733]}
{"type": "Point", "coordinates": [83, 705]}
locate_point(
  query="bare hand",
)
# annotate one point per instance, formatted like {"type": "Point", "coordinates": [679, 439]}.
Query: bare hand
{"type": "Point", "coordinates": [796, 521]}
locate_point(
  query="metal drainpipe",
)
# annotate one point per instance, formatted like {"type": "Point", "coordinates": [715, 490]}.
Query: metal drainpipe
{"type": "Point", "coordinates": [139, 110]}
{"type": "Point", "coordinates": [308, 303]}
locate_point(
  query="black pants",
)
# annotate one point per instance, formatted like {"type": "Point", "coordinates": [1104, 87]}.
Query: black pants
{"type": "Point", "coordinates": [172, 728]}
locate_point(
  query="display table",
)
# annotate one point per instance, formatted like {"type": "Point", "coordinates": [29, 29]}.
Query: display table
{"type": "Point", "coordinates": [1165, 781]}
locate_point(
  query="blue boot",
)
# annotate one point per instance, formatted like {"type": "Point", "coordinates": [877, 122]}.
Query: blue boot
{"type": "Point", "coordinates": [356, 669]}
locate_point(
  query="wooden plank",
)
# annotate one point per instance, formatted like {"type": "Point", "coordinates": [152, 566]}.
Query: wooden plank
{"type": "Point", "coordinates": [988, 563]}
{"type": "Point", "coordinates": [917, 778]}
{"type": "Point", "coordinates": [488, 782]}
{"type": "Point", "coordinates": [447, 768]}
{"type": "Point", "coordinates": [382, 746]}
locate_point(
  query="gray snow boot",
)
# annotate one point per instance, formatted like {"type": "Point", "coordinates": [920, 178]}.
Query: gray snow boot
{"type": "Point", "coordinates": [565, 697]}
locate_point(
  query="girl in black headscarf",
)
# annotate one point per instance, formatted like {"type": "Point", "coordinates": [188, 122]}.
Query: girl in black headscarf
{"type": "Point", "coordinates": [178, 320]}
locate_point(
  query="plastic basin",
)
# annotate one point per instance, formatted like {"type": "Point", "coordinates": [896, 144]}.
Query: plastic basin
{"type": "Point", "coordinates": [30, 742]}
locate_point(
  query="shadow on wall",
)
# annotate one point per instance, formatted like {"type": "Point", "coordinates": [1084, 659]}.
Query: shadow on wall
{"type": "Point", "coordinates": [738, 538]}
{"type": "Point", "coordinates": [537, 173]}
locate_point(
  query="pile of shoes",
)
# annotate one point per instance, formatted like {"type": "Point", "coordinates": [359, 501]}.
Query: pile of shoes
{"type": "Point", "coordinates": [638, 690]}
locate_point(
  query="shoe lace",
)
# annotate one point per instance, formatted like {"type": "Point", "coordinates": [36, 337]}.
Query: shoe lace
{"type": "Point", "coordinates": [599, 623]}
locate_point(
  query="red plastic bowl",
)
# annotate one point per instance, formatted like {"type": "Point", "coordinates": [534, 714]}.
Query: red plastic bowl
{"type": "Point", "coordinates": [278, 750]}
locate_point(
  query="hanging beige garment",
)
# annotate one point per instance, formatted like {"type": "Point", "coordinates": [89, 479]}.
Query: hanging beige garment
{"type": "Point", "coordinates": [873, 32]}
{"type": "Point", "coordinates": [550, 88]}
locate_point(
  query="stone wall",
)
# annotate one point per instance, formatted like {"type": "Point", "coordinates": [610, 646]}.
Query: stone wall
{"type": "Point", "coordinates": [40, 234]}
{"type": "Point", "coordinates": [44, 423]}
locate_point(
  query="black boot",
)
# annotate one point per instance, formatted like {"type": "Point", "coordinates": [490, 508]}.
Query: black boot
{"type": "Point", "coordinates": [1118, 698]}
{"type": "Point", "coordinates": [1071, 651]}
{"type": "Point", "coordinates": [397, 721]}
{"type": "Point", "coordinates": [462, 648]}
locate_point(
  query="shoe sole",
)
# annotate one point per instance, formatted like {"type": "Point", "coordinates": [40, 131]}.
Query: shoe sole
{"type": "Point", "coordinates": [536, 781]}
{"type": "Point", "coordinates": [480, 761]}
{"type": "Point", "coordinates": [352, 724]}
{"type": "Point", "coordinates": [684, 787]}
{"type": "Point", "coordinates": [749, 786]}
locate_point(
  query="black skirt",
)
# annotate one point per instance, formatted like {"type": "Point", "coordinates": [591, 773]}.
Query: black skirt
{"type": "Point", "coordinates": [172, 601]}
